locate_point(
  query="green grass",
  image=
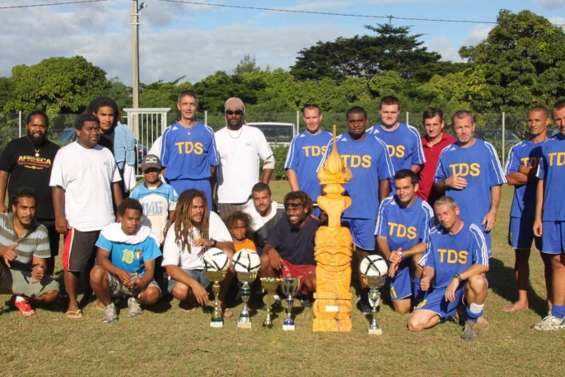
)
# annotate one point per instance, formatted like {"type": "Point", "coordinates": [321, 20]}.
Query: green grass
{"type": "Point", "coordinates": [179, 343]}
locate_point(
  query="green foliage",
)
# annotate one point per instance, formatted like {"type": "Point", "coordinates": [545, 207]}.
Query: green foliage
{"type": "Point", "coordinates": [246, 65]}
{"type": "Point", "coordinates": [6, 89]}
{"type": "Point", "coordinates": [522, 62]}
{"type": "Point", "coordinates": [56, 85]}
{"type": "Point", "coordinates": [279, 151]}
{"type": "Point", "coordinates": [392, 48]}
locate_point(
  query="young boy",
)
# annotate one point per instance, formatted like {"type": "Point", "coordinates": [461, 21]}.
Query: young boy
{"type": "Point", "coordinates": [239, 225]}
{"type": "Point", "coordinates": [157, 198]}
{"type": "Point", "coordinates": [126, 262]}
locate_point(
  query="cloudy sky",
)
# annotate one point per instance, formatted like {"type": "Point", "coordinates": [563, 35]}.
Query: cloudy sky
{"type": "Point", "coordinates": [181, 39]}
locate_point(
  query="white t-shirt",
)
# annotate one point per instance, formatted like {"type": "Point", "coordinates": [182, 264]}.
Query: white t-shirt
{"type": "Point", "coordinates": [86, 175]}
{"type": "Point", "coordinates": [240, 154]}
{"type": "Point", "coordinates": [175, 255]}
{"type": "Point", "coordinates": [257, 221]}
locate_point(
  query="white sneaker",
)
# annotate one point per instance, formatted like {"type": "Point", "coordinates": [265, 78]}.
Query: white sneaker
{"type": "Point", "coordinates": [550, 323]}
{"type": "Point", "coordinates": [134, 307]}
{"type": "Point", "coordinates": [110, 314]}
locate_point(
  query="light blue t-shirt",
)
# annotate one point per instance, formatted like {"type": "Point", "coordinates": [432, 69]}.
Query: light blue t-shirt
{"type": "Point", "coordinates": [130, 257]}
{"type": "Point", "coordinates": [304, 155]}
{"type": "Point", "coordinates": [552, 171]}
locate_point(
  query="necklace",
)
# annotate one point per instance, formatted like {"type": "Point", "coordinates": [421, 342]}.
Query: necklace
{"type": "Point", "coordinates": [236, 133]}
{"type": "Point", "coordinates": [36, 151]}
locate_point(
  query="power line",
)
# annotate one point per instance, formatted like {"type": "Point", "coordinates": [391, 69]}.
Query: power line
{"type": "Point", "coordinates": [50, 4]}
{"type": "Point", "coordinates": [324, 13]}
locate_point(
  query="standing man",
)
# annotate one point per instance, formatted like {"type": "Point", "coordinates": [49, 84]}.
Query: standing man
{"type": "Point", "coordinates": [117, 137]}
{"type": "Point", "coordinates": [241, 148]}
{"type": "Point", "coordinates": [523, 159]}
{"type": "Point", "coordinates": [403, 226]}
{"type": "Point", "coordinates": [188, 151]}
{"type": "Point", "coordinates": [550, 217]}
{"type": "Point", "coordinates": [454, 268]}
{"type": "Point", "coordinates": [470, 173]}
{"type": "Point", "coordinates": [27, 161]}
{"type": "Point", "coordinates": [402, 141]}
{"type": "Point", "coordinates": [305, 153]}
{"type": "Point", "coordinates": [84, 181]}
{"type": "Point", "coordinates": [435, 139]}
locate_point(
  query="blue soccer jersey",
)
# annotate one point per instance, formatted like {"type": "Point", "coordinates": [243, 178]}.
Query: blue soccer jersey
{"type": "Point", "coordinates": [552, 171]}
{"type": "Point", "coordinates": [130, 257]}
{"type": "Point", "coordinates": [369, 163]}
{"type": "Point", "coordinates": [188, 153]}
{"type": "Point", "coordinates": [404, 145]}
{"type": "Point", "coordinates": [524, 200]}
{"type": "Point", "coordinates": [451, 254]}
{"type": "Point", "coordinates": [404, 227]}
{"type": "Point", "coordinates": [156, 202]}
{"type": "Point", "coordinates": [304, 155]}
{"type": "Point", "coordinates": [480, 166]}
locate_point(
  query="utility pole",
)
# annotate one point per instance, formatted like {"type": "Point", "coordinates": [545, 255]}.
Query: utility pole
{"type": "Point", "coordinates": [135, 64]}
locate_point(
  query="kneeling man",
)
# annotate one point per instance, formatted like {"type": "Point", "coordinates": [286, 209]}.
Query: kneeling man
{"type": "Point", "coordinates": [454, 268]}
{"type": "Point", "coordinates": [24, 251]}
{"type": "Point", "coordinates": [289, 251]}
{"type": "Point", "coordinates": [126, 262]}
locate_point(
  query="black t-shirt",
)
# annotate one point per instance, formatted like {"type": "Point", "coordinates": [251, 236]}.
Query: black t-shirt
{"type": "Point", "coordinates": [30, 166]}
{"type": "Point", "coordinates": [295, 244]}
{"type": "Point", "coordinates": [107, 140]}
{"type": "Point", "coordinates": [261, 235]}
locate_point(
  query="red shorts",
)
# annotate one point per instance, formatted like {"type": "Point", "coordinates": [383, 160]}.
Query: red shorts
{"type": "Point", "coordinates": [296, 270]}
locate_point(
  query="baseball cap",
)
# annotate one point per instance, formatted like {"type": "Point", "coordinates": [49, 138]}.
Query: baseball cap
{"type": "Point", "coordinates": [151, 162]}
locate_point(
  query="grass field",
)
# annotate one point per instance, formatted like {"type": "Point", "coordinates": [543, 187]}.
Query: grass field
{"type": "Point", "coordinates": [175, 342]}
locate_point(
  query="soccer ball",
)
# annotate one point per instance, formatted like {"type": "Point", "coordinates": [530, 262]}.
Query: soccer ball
{"type": "Point", "coordinates": [246, 260]}
{"type": "Point", "coordinates": [215, 260]}
{"type": "Point", "coordinates": [373, 265]}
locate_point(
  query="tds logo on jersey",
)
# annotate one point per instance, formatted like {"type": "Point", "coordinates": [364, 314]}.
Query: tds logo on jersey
{"type": "Point", "coordinates": [314, 150]}
{"type": "Point", "coordinates": [556, 158]}
{"type": "Point", "coordinates": [464, 169]}
{"type": "Point", "coordinates": [398, 151]}
{"type": "Point", "coordinates": [452, 256]}
{"type": "Point", "coordinates": [357, 161]}
{"type": "Point", "coordinates": [189, 147]}
{"type": "Point", "coordinates": [401, 231]}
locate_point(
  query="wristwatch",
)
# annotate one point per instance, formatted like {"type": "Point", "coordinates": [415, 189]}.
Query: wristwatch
{"type": "Point", "coordinates": [458, 277]}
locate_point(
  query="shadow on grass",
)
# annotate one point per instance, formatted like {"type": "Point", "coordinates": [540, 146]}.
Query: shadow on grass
{"type": "Point", "coordinates": [501, 280]}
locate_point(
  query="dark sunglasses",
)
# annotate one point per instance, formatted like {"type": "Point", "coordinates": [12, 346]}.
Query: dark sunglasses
{"type": "Point", "coordinates": [293, 205]}
{"type": "Point", "coordinates": [236, 112]}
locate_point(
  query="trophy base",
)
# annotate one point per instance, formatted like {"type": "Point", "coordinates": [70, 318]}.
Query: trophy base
{"type": "Point", "coordinates": [244, 325]}
{"type": "Point", "coordinates": [378, 331]}
{"type": "Point", "coordinates": [288, 327]}
{"type": "Point", "coordinates": [216, 324]}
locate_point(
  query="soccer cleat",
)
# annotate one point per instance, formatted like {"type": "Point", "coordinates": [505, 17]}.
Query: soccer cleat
{"type": "Point", "coordinates": [470, 331]}
{"type": "Point", "coordinates": [134, 307]}
{"type": "Point", "coordinates": [110, 314]}
{"type": "Point", "coordinates": [23, 306]}
{"type": "Point", "coordinates": [550, 323]}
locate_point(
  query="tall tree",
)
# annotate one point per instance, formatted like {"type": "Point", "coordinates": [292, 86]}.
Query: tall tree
{"type": "Point", "coordinates": [392, 48]}
{"type": "Point", "coordinates": [523, 61]}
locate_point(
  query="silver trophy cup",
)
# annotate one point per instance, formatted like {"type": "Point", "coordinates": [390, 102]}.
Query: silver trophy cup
{"type": "Point", "coordinates": [246, 278]}
{"type": "Point", "coordinates": [289, 288]}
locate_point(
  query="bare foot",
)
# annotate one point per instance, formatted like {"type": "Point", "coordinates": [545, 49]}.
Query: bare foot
{"type": "Point", "coordinates": [515, 307]}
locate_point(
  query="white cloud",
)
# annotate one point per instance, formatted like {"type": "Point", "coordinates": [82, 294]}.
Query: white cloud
{"type": "Point", "coordinates": [551, 4]}
{"type": "Point", "coordinates": [444, 46]}
{"type": "Point", "coordinates": [477, 35]}
{"type": "Point", "coordinates": [558, 21]}
{"type": "Point", "coordinates": [319, 5]}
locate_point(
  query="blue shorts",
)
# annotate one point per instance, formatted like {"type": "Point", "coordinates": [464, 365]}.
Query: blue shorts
{"type": "Point", "coordinates": [181, 185]}
{"type": "Point", "coordinates": [435, 301]}
{"type": "Point", "coordinates": [401, 284]}
{"type": "Point", "coordinates": [198, 275]}
{"type": "Point", "coordinates": [553, 237]}
{"type": "Point", "coordinates": [362, 231]}
{"type": "Point", "coordinates": [521, 234]}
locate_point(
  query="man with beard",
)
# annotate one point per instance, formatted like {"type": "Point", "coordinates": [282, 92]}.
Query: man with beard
{"type": "Point", "coordinates": [27, 162]}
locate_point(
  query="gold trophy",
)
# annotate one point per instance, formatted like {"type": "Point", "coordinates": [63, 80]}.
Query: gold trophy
{"type": "Point", "coordinates": [289, 288]}
{"type": "Point", "coordinates": [270, 285]}
{"type": "Point", "coordinates": [216, 264]}
{"type": "Point", "coordinates": [246, 278]}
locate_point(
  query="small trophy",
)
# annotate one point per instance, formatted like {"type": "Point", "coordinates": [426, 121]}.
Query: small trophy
{"type": "Point", "coordinates": [216, 277]}
{"type": "Point", "coordinates": [289, 288]}
{"type": "Point", "coordinates": [270, 285]}
{"type": "Point", "coordinates": [375, 283]}
{"type": "Point", "coordinates": [246, 278]}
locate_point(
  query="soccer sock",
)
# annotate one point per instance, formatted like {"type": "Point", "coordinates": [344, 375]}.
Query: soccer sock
{"type": "Point", "coordinates": [474, 311]}
{"type": "Point", "coordinates": [558, 311]}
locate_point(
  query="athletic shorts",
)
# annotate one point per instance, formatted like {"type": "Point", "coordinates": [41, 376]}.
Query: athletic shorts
{"type": "Point", "coordinates": [362, 231]}
{"type": "Point", "coordinates": [117, 288]}
{"type": "Point", "coordinates": [435, 301]}
{"type": "Point", "coordinates": [79, 251]}
{"type": "Point", "coordinates": [553, 237]}
{"type": "Point", "coordinates": [19, 282]}
{"type": "Point", "coordinates": [401, 284]}
{"type": "Point", "coordinates": [290, 270]}
{"type": "Point", "coordinates": [521, 234]}
{"type": "Point", "coordinates": [198, 275]}
{"type": "Point", "coordinates": [204, 185]}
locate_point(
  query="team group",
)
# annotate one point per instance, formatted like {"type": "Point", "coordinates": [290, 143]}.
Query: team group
{"type": "Point", "coordinates": [428, 205]}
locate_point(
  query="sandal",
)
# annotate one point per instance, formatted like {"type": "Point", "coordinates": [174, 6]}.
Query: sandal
{"type": "Point", "coordinates": [74, 313]}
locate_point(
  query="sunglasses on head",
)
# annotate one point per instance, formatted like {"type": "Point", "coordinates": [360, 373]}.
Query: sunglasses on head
{"type": "Point", "coordinates": [236, 112]}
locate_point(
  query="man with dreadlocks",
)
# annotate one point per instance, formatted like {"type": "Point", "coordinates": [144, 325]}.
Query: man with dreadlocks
{"type": "Point", "coordinates": [194, 230]}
